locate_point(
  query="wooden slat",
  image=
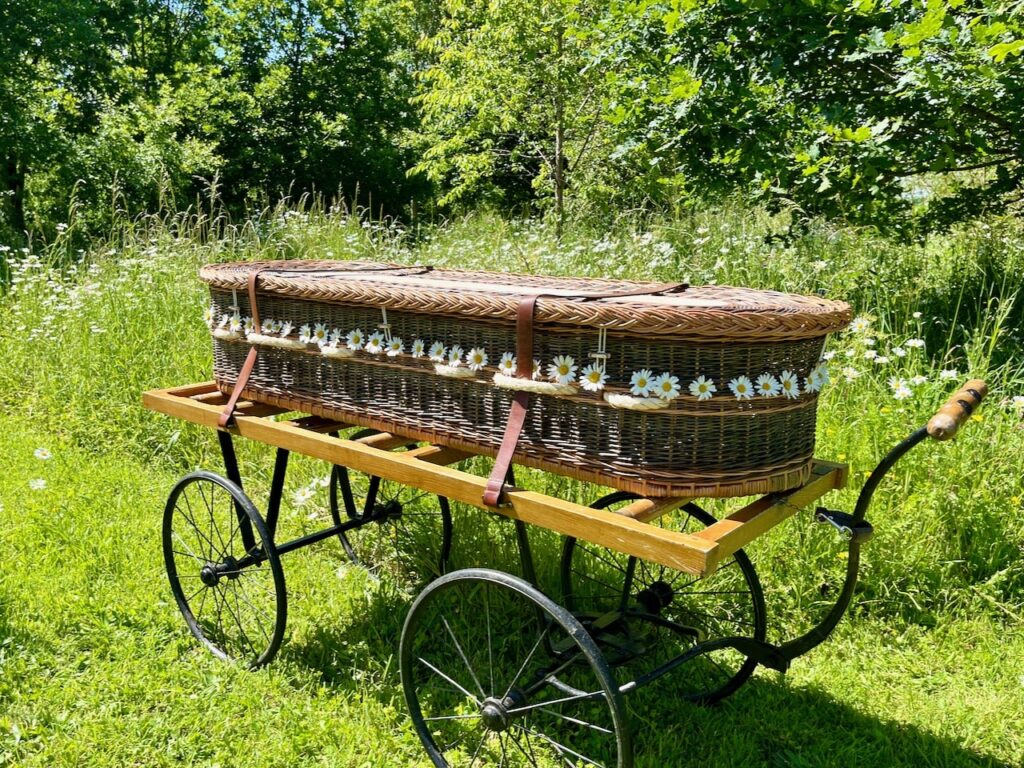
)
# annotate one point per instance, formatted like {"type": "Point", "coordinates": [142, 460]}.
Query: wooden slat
{"type": "Point", "coordinates": [385, 441]}
{"type": "Point", "coordinates": [684, 552]}
{"type": "Point", "coordinates": [320, 424]}
{"type": "Point", "coordinates": [743, 526]}
{"type": "Point", "coordinates": [646, 510]}
{"type": "Point", "coordinates": [438, 454]}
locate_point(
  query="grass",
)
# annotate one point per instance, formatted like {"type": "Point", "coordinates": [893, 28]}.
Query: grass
{"type": "Point", "coordinates": [96, 667]}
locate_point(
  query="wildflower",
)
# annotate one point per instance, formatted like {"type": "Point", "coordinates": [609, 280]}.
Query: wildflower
{"type": "Point", "coordinates": [305, 334]}
{"type": "Point", "coordinates": [323, 482]}
{"type": "Point", "coordinates": [476, 359]}
{"type": "Point", "coordinates": [666, 387]}
{"type": "Point", "coordinates": [507, 364]}
{"type": "Point", "coordinates": [277, 325]}
{"type": "Point", "coordinates": [335, 337]}
{"type": "Point", "coordinates": [437, 351]}
{"type": "Point", "coordinates": [208, 315]}
{"type": "Point", "coordinates": [850, 373]}
{"type": "Point", "coordinates": [948, 373]}
{"type": "Point", "coordinates": [285, 329]}
{"type": "Point", "coordinates": [562, 369]}
{"type": "Point", "coordinates": [914, 343]}
{"type": "Point", "coordinates": [395, 346]}
{"type": "Point", "coordinates": [900, 389]}
{"type": "Point", "coordinates": [790, 384]}
{"type": "Point", "coordinates": [881, 359]}
{"type": "Point", "coordinates": [355, 339]}
{"type": "Point", "coordinates": [742, 387]}
{"type": "Point", "coordinates": [829, 355]}
{"type": "Point", "coordinates": [640, 383]}
{"type": "Point", "coordinates": [42, 453]}
{"type": "Point", "coordinates": [860, 324]}
{"type": "Point", "coordinates": [768, 385]}
{"type": "Point", "coordinates": [375, 344]}
{"type": "Point", "coordinates": [320, 333]}
{"type": "Point", "coordinates": [1018, 403]}
{"type": "Point", "coordinates": [455, 356]}
{"type": "Point", "coordinates": [918, 380]}
{"type": "Point", "coordinates": [870, 354]}
{"type": "Point", "coordinates": [702, 388]}
{"type": "Point", "coordinates": [37, 485]}
{"type": "Point", "coordinates": [301, 496]}
{"type": "Point", "coordinates": [417, 348]}
{"type": "Point", "coordinates": [898, 351]}
{"type": "Point", "coordinates": [816, 379]}
{"type": "Point", "coordinates": [235, 323]}
{"type": "Point", "coordinates": [267, 327]}
{"type": "Point", "coordinates": [869, 342]}
{"type": "Point", "coordinates": [593, 378]}
{"type": "Point", "coordinates": [536, 368]}
{"type": "Point", "coordinates": [849, 353]}
{"type": "Point", "coordinates": [917, 315]}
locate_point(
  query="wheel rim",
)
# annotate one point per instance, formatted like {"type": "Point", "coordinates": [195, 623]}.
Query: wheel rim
{"type": "Point", "coordinates": [494, 672]}
{"type": "Point", "coordinates": [666, 612]}
{"type": "Point", "coordinates": [223, 569]}
{"type": "Point", "coordinates": [405, 538]}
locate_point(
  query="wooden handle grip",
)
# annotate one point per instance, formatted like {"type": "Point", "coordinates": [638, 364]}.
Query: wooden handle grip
{"type": "Point", "coordinates": [945, 423]}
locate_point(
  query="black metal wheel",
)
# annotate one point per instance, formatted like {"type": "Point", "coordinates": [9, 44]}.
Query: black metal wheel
{"type": "Point", "coordinates": [650, 614]}
{"type": "Point", "coordinates": [496, 673]}
{"type": "Point", "coordinates": [404, 536]}
{"type": "Point", "coordinates": [224, 570]}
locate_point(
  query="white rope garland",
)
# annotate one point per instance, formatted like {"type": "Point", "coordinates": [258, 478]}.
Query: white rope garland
{"type": "Point", "coordinates": [635, 403]}
{"type": "Point", "coordinates": [529, 385]}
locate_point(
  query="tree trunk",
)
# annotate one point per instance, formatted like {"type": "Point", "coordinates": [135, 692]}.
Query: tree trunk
{"type": "Point", "coordinates": [14, 182]}
{"type": "Point", "coordinates": [559, 136]}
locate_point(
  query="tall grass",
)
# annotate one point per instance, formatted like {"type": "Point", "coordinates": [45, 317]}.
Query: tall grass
{"type": "Point", "coordinates": [85, 332]}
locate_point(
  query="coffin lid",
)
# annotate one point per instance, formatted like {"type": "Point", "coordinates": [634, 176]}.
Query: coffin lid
{"type": "Point", "coordinates": [710, 312]}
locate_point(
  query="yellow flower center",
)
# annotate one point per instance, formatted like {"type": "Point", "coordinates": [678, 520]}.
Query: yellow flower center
{"type": "Point", "coordinates": [563, 369]}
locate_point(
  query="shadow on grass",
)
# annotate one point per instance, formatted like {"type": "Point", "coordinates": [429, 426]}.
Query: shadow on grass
{"type": "Point", "coordinates": [767, 723]}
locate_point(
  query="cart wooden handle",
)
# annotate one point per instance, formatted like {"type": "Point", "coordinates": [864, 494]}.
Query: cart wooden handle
{"type": "Point", "coordinates": [949, 418]}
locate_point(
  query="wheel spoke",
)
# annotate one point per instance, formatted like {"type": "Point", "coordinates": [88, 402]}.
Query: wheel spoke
{"type": "Point", "coordinates": [529, 656]}
{"type": "Point", "coordinates": [550, 703]}
{"type": "Point", "coordinates": [451, 682]}
{"type": "Point", "coordinates": [561, 748]}
{"type": "Point", "coordinates": [573, 720]}
{"type": "Point", "coordinates": [458, 648]}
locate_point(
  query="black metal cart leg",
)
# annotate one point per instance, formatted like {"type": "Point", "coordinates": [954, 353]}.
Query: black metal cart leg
{"type": "Point", "coordinates": [227, 450]}
{"type": "Point", "coordinates": [276, 490]}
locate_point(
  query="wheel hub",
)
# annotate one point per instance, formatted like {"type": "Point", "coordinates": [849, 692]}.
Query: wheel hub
{"type": "Point", "coordinates": [388, 511]}
{"type": "Point", "coordinates": [495, 712]}
{"type": "Point", "coordinates": [655, 597]}
{"type": "Point", "coordinates": [209, 576]}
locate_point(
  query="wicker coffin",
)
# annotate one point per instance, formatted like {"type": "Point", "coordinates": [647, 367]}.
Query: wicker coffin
{"type": "Point", "coordinates": [738, 418]}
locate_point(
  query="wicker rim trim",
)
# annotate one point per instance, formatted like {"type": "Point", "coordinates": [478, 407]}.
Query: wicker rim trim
{"type": "Point", "coordinates": [769, 479]}
{"type": "Point", "coordinates": [721, 313]}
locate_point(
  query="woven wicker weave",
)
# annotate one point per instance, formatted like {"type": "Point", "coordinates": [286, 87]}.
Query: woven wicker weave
{"type": "Point", "coordinates": [718, 447]}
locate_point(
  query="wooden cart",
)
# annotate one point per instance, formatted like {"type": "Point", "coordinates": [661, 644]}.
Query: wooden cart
{"type": "Point", "coordinates": [494, 670]}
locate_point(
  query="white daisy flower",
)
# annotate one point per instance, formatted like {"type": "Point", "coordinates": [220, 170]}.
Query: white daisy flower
{"type": "Point", "coordinates": [335, 337]}
{"type": "Point", "coordinates": [417, 348]}
{"type": "Point", "coordinates": [948, 373]}
{"type": "Point", "coordinates": [914, 343]}
{"type": "Point", "coordinates": [849, 353]}
{"type": "Point", "coordinates": [869, 342]}
{"type": "Point", "coordinates": [666, 386]}
{"type": "Point", "coordinates": [916, 315]}
{"type": "Point", "coordinates": [900, 389]}
{"type": "Point", "coordinates": [247, 325]}
{"type": "Point", "coordinates": [829, 355]}
{"type": "Point", "coordinates": [768, 385]}
{"type": "Point", "coordinates": [395, 346]}
{"type": "Point", "coordinates": [870, 354]}
{"type": "Point", "coordinates": [562, 369]}
{"type": "Point", "coordinates": [285, 329]}
{"type": "Point", "coordinates": [476, 359]}
{"type": "Point", "coordinates": [37, 485]}
{"type": "Point", "coordinates": [455, 356]}
{"type": "Point", "coordinates": [301, 496]}
{"type": "Point", "coordinates": [702, 388]}
{"type": "Point", "coordinates": [42, 453]}
{"type": "Point", "coordinates": [536, 368]}
{"type": "Point", "coordinates": [267, 327]}
{"type": "Point", "coordinates": [918, 380]}
{"type": "Point", "coordinates": [277, 326]}
{"type": "Point", "coordinates": [375, 344]}
{"type": "Point", "coordinates": [860, 324]}
{"type": "Point", "coordinates": [593, 378]}
{"type": "Point", "coordinates": [305, 334]}
{"type": "Point", "coordinates": [235, 323]}
{"type": "Point", "coordinates": [898, 351]}
{"type": "Point", "coordinates": [437, 352]}
{"type": "Point", "coordinates": [816, 379]}
{"type": "Point", "coordinates": [1018, 403]}
{"type": "Point", "coordinates": [320, 334]}
{"type": "Point", "coordinates": [507, 364]}
{"type": "Point", "coordinates": [850, 373]}
{"type": "Point", "coordinates": [641, 382]}
{"type": "Point", "coordinates": [208, 315]}
{"type": "Point", "coordinates": [224, 320]}
{"type": "Point", "coordinates": [742, 387]}
{"type": "Point", "coordinates": [881, 359]}
{"type": "Point", "coordinates": [790, 384]}
{"type": "Point", "coordinates": [355, 339]}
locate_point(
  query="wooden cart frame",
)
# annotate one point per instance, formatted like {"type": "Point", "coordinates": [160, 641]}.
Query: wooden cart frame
{"type": "Point", "coordinates": [587, 638]}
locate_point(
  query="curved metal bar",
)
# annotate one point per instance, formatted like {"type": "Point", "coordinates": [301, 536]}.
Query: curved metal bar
{"type": "Point", "coordinates": [819, 633]}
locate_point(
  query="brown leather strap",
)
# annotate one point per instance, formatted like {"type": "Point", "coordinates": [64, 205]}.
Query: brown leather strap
{"type": "Point", "coordinates": [524, 370]}
{"type": "Point", "coordinates": [228, 414]}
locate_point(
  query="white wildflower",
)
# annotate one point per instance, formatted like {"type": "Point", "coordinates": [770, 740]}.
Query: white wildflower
{"type": "Point", "coordinates": [918, 380]}
{"type": "Point", "coordinates": [914, 343]}
{"type": "Point", "coordinates": [37, 484]}
{"type": "Point", "coordinates": [375, 344]}
{"type": "Point", "coordinates": [437, 352]}
{"type": "Point", "coordinates": [355, 339]}
{"type": "Point", "coordinates": [790, 384]}
{"type": "Point", "coordinates": [455, 356]}
{"type": "Point", "coordinates": [742, 387]}
{"type": "Point", "coordinates": [507, 364]}
{"type": "Point", "coordinates": [320, 334]}
{"type": "Point", "coordinates": [593, 378]}
{"type": "Point", "coordinates": [305, 334]}
{"type": "Point", "coordinates": [900, 389]}
{"type": "Point", "coordinates": [395, 346]}
{"type": "Point", "coordinates": [285, 329]}
{"type": "Point", "coordinates": [768, 385]}
{"type": "Point", "coordinates": [42, 453]}
{"type": "Point", "coordinates": [702, 388]}
{"type": "Point", "coordinates": [302, 496]}
{"type": "Point", "coordinates": [562, 369]}
{"type": "Point", "coordinates": [860, 324]}
{"type": "Point", "coordinates": [640, 383]}
{"type": "Point", "coordinates": [476, 359]}
{"type": "Point", "coordinates": [850, 373]}
{"type": "Point", "coordinates": [881, 359]}
{"type": "Point", "coordinates": [898, 351]}
{"type": "Point", "coordinates": [666, 386]}
{"type": "Point", "coordinates": [948, 373]}
{"type": "Point", "coordinates": [267, 327]}
{"type": "Point", "coordinates": [417, 348]}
